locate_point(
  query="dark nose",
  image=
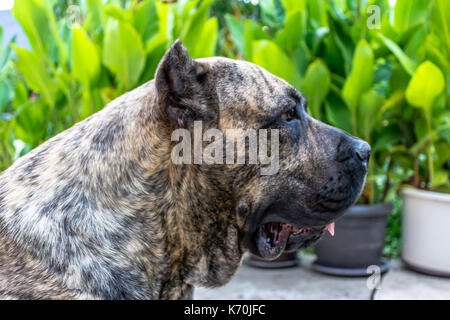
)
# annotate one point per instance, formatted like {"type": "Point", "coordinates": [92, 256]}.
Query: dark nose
{"type": "Point", "coordinates": [362, 152]}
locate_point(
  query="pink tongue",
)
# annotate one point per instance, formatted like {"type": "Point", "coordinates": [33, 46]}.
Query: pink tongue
{"type": "Point", "coordinates": [330, 229]}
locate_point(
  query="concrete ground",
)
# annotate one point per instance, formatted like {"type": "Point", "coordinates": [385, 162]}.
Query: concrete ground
{"type": "Point", "coordinates": [305, 284]}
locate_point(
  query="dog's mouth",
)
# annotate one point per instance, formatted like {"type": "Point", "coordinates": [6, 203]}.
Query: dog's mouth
{"type": "Point", "coordinates": [273, 238]}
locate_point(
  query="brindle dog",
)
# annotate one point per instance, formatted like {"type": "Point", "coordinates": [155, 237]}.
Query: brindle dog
{"type": "Point", "coordinates": [101, 212]}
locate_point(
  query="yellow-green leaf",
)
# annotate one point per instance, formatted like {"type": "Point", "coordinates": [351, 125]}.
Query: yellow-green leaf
{"type": "Point", "coordinates": [269, 56]}
{"type": "Point", "coordinates": [315, 86]}
{"type": "Point", "coordinates": [361, 75]}
{"type": "Point", "coordinates": [439, 177]}
{"type": "Point", "coordinates": [32, 16]}
{"type": "Point", "coordinates": [145, 20]}
{"type": "Point", "coordinates": [408, 64]}
{"type": "Point", "coordinates": [408, 13]}
{"type": "Point", "coordinates": [85, 57]}
{"type": "Point", "coordinates": [370, 105]}
{"type": "Point", "coordinates": [123, 52]}
{"type": "Point", "coordinates": [425, 85]}
{"type": "Point", "coordinates": [35, 73]}
{"type": "Point", "coordinates": [440, 21]}
{"type": "Point", "coordinates": [206, 47]}
{"type": "Point", "coordinates": [290, 36]}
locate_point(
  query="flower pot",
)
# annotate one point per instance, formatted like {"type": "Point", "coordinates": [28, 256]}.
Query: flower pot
{"type": "Point", "coordinates": [425, 228]}
{"type": "Point", "coordinates": [358, 242]}
{"type": "Point", "coordinates": [286, 260]}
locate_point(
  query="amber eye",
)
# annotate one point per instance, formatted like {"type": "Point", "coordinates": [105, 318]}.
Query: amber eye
{"type": "Point", "coordinates": [290, 115]}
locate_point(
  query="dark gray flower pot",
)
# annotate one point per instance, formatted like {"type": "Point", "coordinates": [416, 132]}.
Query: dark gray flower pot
{"type": "Point", "coordinates": [286, 260]}
{"type": "Point", "coordinates": [358, 242]}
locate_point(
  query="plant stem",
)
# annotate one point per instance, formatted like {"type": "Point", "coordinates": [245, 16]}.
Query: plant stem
{"type": "Point", "coordinates": [371, 184]}
{"type": "Point", "coordinates": [429, 151]}
{"type": "Point", "coordinates": [386, 183]}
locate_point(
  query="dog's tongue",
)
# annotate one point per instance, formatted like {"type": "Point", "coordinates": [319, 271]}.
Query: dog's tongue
{"type": "Point", "coordinates": [330, 229]}
{"type": "Point", "coordinates": [272, 240]}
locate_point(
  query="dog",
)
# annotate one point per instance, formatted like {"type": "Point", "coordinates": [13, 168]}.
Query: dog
{"type": "Point", "coordinates": [101, 212]}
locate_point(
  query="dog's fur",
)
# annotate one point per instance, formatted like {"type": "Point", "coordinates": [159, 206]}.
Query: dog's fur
{"type": "Point", "coordinates": [100, 211]}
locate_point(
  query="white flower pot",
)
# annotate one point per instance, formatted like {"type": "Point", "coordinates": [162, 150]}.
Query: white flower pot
{"type": "Point", "coordinates": [426, 231]}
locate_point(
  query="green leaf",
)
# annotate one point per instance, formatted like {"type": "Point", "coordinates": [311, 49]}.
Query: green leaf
{"type": "Point", "coordinates": [361, 75]}
{"type": "Point", "coordinates": [338, 113]}
{"type": "Point", "coordinates": [145, 20]}
{"type": "Point", "coordinates": [118, 13]}
{"type": "Point", "coordinates": [442, 150]}
{"type": "Point", "coordinates": [317, 12]}
{"type": "Point", "coordinates": [301, 57]}
{"type": "Point", "coordinates": [272, 13]}
{"type": "Point", "coordinates": [440, 176]}
{"type": "Point", "coordinates": [206, 47]}
{"type": "Point", "coordinates": [269, 56]}
{"type": "Point", "coordinates": [425, 85]}
{"type": "Point", "coordinates": [193, 27]}
{"type": "Point", "coordinates": [388, 137]}
{"type": "Point", "coordinates": [30, 120]}
{"type": "Point", "coordinates": [252, 31]}
{"type": "Point", "coordinates": [20, 95]}
{"type": "Point", "coordinates": [368, 113]}
{"type": "Point", "coordinates": [6, 94]}
{"type": "Point", "coordinates": [440, 21]}
{"type": "Point", "coordinates": [315, 86]}
{"type": "Point", "coordinates": [293, 5]}
{"type": "Point", "coordinates": [408, 13]}
{"type": "Point", "coordinates": [236, 28]}
{"type": "Point", "coordinates": [436, 53]}
{"type": "Point", "coordinates": [35, 73]}
{"type": "Point", "coordinates": [123, 52]}
{"type": "Point", "coordinates": [405, 61]}
{"type": "Point", "coordinates": [340, 36]}
{"type": "Point", "coordinates": [166, 19]}
{"type": "Point", "coordinates": [290, 36]}
{"type": "Point", "coordinates": [95, 17]}
{"type": "Point", "coordinates": [32, 16]}
{"type": "Point", "coordinates": [85, 58]}
{"type": "Point", "coordinates": [444, 131]}
{"type": "Point", "coordinates": [155, 54]}
{"type": "Point", "coordinates": [5, 54]}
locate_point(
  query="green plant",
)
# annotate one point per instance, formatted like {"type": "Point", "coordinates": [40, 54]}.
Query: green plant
{"type": "Point", "coordinates": [422, 90]}
{"type": "Point", "coordinates": [83, 56]}
{"type": "Point", "coordinates": [8, 79]}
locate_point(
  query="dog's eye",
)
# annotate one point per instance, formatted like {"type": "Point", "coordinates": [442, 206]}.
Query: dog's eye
{"type": "Point", "coordinates": [290, 115]}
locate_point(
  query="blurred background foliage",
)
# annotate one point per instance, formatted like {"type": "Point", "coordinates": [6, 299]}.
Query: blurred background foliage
{"type": "Point", "coordinates": [378, 69]}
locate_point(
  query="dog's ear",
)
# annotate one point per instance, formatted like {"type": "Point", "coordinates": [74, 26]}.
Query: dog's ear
{"type": "Point", "coordinates": [180, 85]}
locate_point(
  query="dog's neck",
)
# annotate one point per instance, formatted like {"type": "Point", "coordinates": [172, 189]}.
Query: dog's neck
{"type": "Point", "coordinates": [201, 241]}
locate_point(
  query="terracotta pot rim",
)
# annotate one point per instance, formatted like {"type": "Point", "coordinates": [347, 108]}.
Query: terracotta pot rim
{"type": "Point", "coordinates": [426, 195]}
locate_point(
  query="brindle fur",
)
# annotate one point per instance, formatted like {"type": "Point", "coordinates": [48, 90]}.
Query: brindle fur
{"type": "Point", "coordinates": [100, 211]}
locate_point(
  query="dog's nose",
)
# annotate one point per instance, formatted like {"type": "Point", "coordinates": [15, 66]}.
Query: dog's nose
{"type": "Point", "coordinates": [362, 152]}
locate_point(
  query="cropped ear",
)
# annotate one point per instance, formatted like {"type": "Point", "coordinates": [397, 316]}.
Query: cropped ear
{"type": "Point", "coordinates": [180, 87]}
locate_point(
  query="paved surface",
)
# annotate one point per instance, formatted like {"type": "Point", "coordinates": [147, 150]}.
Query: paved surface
{"type": "Point", "coordinates": [401, 283]}
{"type": "Point", "coordinates": [303, 283]}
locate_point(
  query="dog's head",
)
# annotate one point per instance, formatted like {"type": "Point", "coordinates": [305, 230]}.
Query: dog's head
{"type": "Point", "coordinates": [319, 170]}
